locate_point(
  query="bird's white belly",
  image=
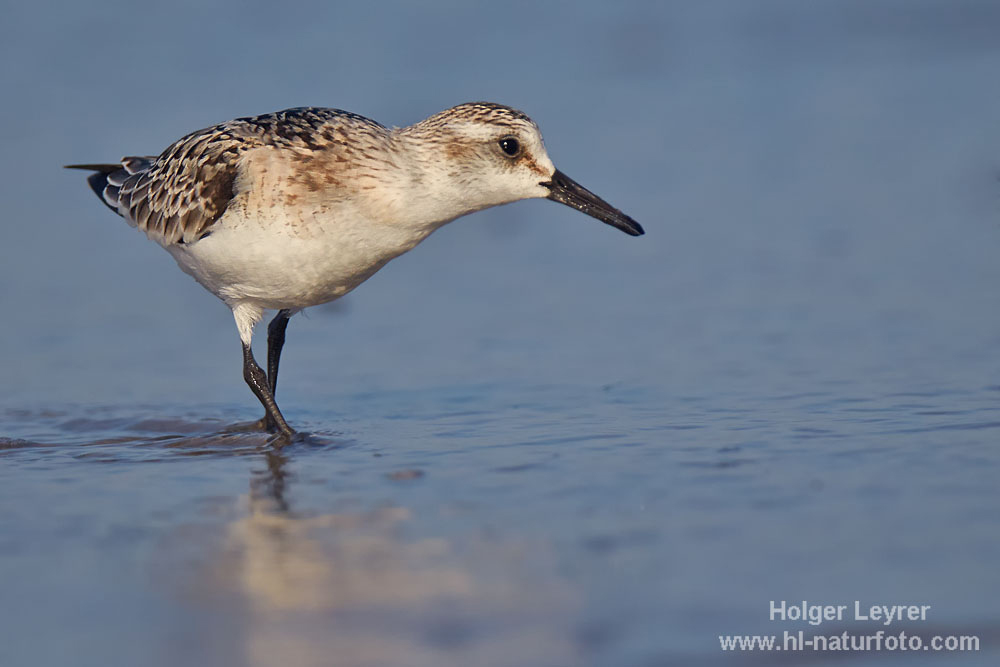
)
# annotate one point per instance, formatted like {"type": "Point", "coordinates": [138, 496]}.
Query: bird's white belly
{"type": "Point", "coordinates": [292, 260]}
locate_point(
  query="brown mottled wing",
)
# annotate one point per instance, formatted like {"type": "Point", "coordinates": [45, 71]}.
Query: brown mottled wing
{"type": "Point", "coordinates": [178, 196]}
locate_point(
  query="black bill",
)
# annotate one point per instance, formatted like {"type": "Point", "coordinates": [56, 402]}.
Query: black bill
{"type": "Point", "coordinates": [565, 190]}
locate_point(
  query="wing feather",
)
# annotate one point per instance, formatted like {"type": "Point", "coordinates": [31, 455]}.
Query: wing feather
{"type": "Point", "coordinates": [179, 195]}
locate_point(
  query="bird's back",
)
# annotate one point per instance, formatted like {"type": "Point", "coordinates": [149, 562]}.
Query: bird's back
{"type": "Point", "coordinates": [178, 196]}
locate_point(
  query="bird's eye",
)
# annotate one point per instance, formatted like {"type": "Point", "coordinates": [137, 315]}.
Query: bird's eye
{"type": "Point", "coordinates": [510, 146]}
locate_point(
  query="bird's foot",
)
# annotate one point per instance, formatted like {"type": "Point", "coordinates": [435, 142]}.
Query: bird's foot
{"type": "Point", "coordinates": [265, 425]}
{"type": "Point", "coordinates": [283, 434]}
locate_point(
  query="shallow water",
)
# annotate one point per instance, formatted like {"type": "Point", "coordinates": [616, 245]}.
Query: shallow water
{"type": "Point", "coordinates": [533, 440]}
{"type": "Point", "coordinates": [581, 526]}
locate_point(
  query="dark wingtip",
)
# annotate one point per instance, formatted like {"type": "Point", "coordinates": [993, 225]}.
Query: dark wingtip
{"type": "Point", "coordinates": [102, 168]}
{"type": "Point", "coordinates": [98, 181]}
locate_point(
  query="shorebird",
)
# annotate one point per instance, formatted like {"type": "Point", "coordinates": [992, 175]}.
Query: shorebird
{"type": "Point", "coordinates": [296, 208]}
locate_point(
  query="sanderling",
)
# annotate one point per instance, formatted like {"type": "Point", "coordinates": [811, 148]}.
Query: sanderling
{"type": "Point", "coordinates": [296, 208]}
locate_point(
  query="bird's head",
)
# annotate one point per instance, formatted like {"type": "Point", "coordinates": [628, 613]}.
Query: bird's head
{"type": "Point", "coordinates": [484, 154]}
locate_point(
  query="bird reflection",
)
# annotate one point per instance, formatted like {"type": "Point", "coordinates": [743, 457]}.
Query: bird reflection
{"type": "Point", "coordinates": [268, 484]}
{"type": "Point", "coordinates": [370, 586]}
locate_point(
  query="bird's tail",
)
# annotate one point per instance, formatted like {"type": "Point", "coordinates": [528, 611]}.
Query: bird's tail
{"type": "Point", "coordinates": [99, 179]}
{"type": "Point", "coordinates": [116, 173]}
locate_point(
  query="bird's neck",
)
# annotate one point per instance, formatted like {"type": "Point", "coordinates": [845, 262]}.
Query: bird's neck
{"type": "Point", "coordinates": [433, 189]}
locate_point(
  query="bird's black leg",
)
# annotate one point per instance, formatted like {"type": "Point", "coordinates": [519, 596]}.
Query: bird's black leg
{"type": "Point", "coordinates": [275, 341]}
{"type": "Point", "coordinates": [255, 377]}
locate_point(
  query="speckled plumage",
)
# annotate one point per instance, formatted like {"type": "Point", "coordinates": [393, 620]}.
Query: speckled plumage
{"type": "Point", "coordinates": [295, 208]}
{"type": "Point", "coordinates": [177, 196]}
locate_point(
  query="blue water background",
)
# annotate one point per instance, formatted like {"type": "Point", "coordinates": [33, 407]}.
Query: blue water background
{"type": "Point", "coordinates": [535, 440]}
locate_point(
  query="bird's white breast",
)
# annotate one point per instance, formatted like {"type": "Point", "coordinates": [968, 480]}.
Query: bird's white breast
{"type": "Point", "coordinates": [288, 241]}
